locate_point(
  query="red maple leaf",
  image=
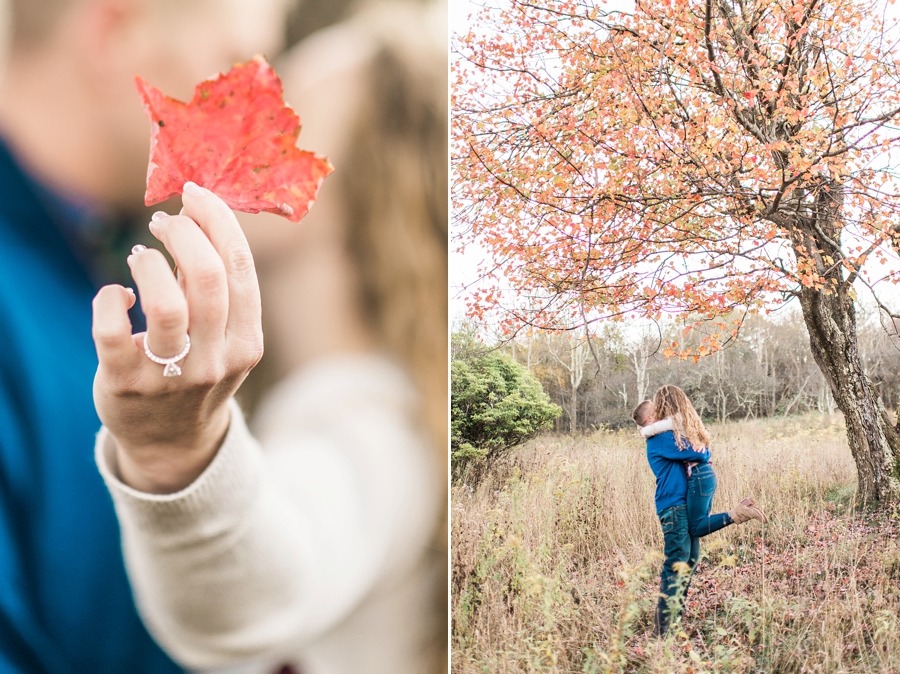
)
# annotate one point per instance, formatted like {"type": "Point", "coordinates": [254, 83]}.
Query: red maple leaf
{"type": "Point", "coordinates": [237, 138]}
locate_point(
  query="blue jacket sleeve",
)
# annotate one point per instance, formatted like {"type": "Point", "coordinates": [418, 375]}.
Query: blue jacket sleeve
{"type": "Point", "coordinates": [663, 445]}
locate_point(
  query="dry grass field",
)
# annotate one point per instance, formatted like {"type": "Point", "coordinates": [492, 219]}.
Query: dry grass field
{"type": "Point", "coordinates": [555, 561]}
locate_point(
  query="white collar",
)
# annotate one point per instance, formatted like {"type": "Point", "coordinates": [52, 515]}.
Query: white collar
{"type": "Point", "coordinates": [658, 427]}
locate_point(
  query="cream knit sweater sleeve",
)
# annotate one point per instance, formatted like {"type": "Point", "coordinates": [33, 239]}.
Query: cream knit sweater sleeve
{"type": "Point", "coordinates": [280, 539]}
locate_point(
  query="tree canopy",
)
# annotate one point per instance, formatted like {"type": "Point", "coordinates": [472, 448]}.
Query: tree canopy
{"type": "Point", "coordinates": [676, 160]}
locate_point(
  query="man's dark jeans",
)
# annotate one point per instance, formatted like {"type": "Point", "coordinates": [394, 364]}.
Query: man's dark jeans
{"type": "Point", "coordinates": [674, 583]}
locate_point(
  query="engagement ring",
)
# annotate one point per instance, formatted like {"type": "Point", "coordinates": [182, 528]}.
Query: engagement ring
{"type": "Point", "coordinates": [171, 369]}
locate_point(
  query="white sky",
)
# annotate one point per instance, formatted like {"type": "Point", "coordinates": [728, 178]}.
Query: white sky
{"type": "Point", "coordinates": [464, 268]}
{"type": "Point", "coordinates": [459, 11]}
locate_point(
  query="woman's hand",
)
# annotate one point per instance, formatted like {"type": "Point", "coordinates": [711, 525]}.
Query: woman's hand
{"type": "Point", "coordinates": [168, 429]}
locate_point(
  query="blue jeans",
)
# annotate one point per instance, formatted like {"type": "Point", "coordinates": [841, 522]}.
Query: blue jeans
{"type": "Point", "coordinates": [701, 486]}
{"type": "Point", "coordinates": [673, 585]}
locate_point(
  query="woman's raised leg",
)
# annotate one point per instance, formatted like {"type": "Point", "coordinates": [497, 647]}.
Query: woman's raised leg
{"type": "Point", "coordinates": [701, 489]}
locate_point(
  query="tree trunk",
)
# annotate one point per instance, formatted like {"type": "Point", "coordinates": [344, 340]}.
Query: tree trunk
{"type": "Point", "coordinates": [831, 322]}
{"type": "Point", "coordinates": [639, 357]}
{"type": "Point", "coordinates": [573, 414]}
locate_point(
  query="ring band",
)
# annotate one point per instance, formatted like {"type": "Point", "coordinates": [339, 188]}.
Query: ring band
{"type": "Point", "coordinates": [171, 369]}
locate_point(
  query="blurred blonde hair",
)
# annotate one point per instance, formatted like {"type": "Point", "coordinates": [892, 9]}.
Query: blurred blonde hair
{"type": "Point", "coordinates": [671, 402]}
{"type": "Point", "coordinates": [394, 178]}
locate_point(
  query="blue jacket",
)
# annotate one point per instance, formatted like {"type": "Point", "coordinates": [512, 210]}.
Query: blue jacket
{"type": "Point", "coordinates": [65, 603]}
{"type": "Point", "coordinates": [667, 464]}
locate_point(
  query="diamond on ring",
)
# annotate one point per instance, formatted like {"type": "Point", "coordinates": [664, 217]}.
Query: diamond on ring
{"type": "Point", "coordinates": [171, 369]}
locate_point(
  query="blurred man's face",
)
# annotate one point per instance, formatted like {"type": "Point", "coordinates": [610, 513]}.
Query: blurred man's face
{"type": "Point", "coordinates": [69, 103]}
{"type": "Point", "coordinates": [175, 49]}
{"type": "Point", "coordinates": [203, 37]}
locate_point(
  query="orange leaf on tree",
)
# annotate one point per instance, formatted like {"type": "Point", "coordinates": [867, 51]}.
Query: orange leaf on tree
{"type": "Point", "coordinates": [237, 138]}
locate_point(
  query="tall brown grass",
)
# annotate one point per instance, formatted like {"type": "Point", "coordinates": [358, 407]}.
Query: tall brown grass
{"type": "Point", "coordinates": [555, 561]}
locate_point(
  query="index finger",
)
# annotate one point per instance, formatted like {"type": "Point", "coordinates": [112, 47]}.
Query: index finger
{"type": "Point", "coordinates": [221, 227]}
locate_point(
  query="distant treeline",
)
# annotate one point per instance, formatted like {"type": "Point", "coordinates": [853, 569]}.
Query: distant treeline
{"type": "Point", "coordinates": [767, 371]}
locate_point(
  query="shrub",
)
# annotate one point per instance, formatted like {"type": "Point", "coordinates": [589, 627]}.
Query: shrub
{"type": "Point", "coordinates": [495, 403]}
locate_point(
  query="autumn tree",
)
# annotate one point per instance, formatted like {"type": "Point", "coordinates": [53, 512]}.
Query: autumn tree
{"type": "Point", "coordinates": [694, 157]}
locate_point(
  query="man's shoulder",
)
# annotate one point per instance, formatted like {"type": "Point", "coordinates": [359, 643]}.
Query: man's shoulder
{"type": "Point", "coordinates": [665, 437]}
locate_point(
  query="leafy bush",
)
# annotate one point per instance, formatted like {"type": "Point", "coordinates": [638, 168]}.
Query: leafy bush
{"type": "Point", "coordinates": [495, 403]}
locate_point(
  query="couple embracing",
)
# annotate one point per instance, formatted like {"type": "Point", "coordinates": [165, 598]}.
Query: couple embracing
{"type": "Point", "coordinates": [678, 452]}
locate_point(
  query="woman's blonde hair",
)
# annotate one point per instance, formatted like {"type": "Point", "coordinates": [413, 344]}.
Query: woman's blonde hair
{"type": "Point", "coordinates": [394, 176]}
{"type": "Point", "coordinates": [671, 402]}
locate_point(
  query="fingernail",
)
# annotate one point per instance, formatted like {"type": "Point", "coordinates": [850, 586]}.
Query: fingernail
{"type": "Point", "coordinates": [193, 189]}
{"type": "Point", "coordinates": [159, 215]}
{"type": "Point", "coordinates": [130, 290]}
{"type": "Point", "coordinates": [138, 248]}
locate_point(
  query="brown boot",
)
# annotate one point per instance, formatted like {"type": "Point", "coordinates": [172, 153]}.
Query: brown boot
{"type": "Point", "coordinates": [746, 510]}
{"type": "Point", "coordinates": [760, 515]}
{"type": "Point", "coordinates": [741, 513]}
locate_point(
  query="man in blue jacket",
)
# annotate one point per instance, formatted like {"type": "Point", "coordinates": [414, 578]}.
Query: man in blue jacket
{"type": "Point", "coordinates": [667, 462]}
{"type": "Point", "coordinates": [73, 148]}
